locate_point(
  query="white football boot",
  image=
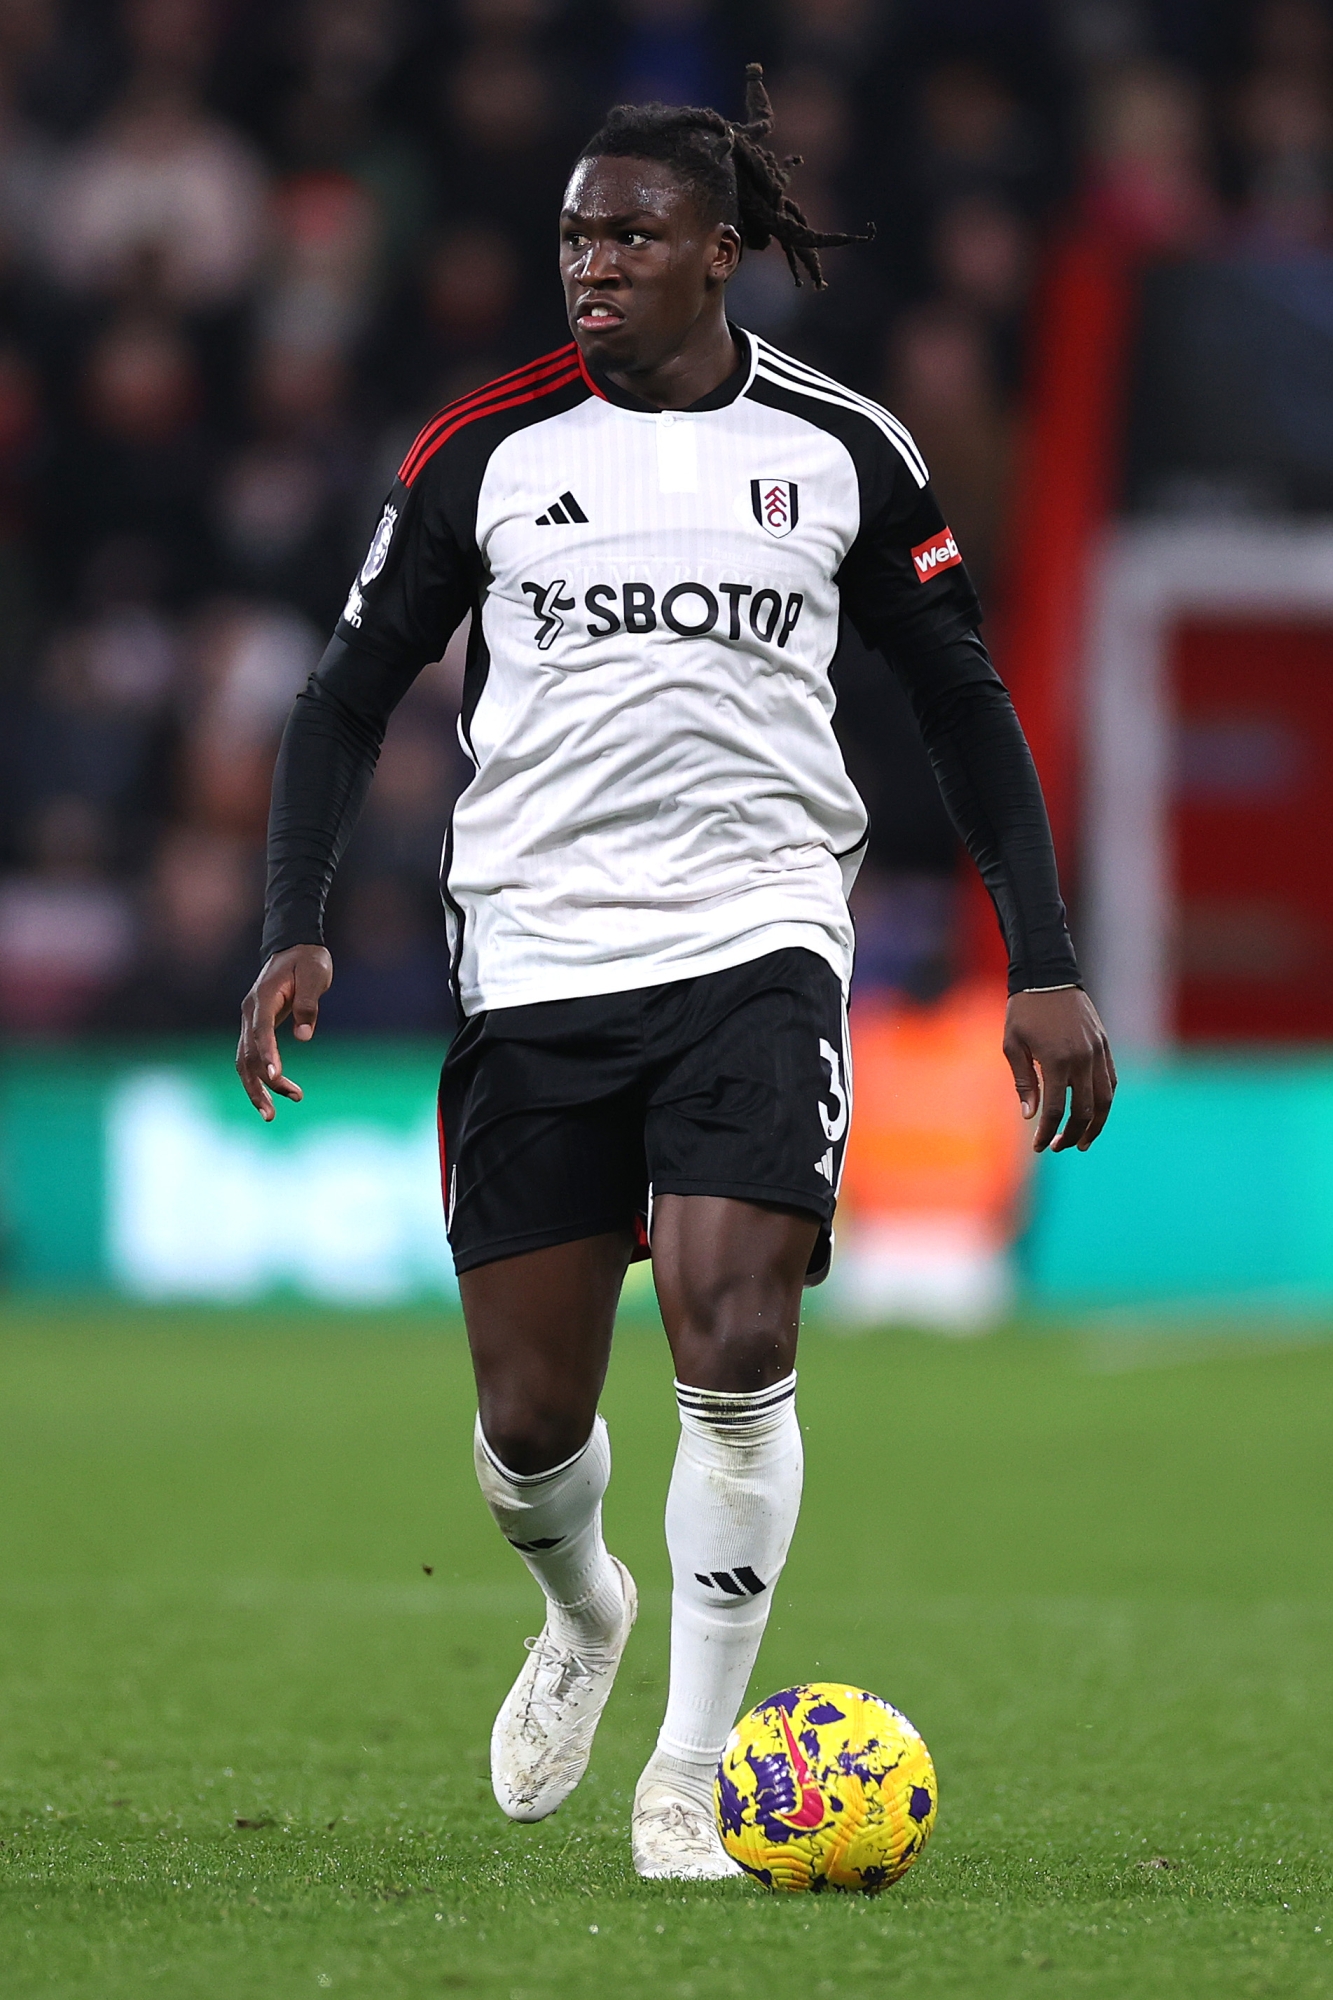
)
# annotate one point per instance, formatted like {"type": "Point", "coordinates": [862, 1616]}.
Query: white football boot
{"type": "Point", "coordinates": [542, 1738]}
{"type": "Point", "coordinates": [674, 1833]}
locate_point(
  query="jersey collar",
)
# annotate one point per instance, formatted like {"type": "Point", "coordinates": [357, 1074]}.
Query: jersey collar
{"type": "Point", "coordinates": [726, 393]}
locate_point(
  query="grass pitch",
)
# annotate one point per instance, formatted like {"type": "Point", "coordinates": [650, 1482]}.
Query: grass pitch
{"type": "Point", "coordinates": [243, 1731]}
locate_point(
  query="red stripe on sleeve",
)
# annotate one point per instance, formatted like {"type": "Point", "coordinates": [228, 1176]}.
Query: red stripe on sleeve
{"type": "Point", "coordinates": [533, 371]}
{"type": "Point", "coordinates": [486, 410]}
{"type": "Point", "coordinates": [490, 392]}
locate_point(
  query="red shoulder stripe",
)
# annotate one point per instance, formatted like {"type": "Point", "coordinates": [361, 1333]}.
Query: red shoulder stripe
{"type": "Point", "coordinates": [559, 356]}
{"type": "Point", "coordinates": [547, 364]}
{"type": "Point", "coordinates": [462, 417]}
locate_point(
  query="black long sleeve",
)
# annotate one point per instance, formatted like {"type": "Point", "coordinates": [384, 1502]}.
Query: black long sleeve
{"type": "Point", "coordinates": [422, 584]}
{"type": "Point", "coordinates": [906, 590]}
{"type": "Point", "coordinates": [325, 764]}
{"type": "Point", "coordinates": [990, 786]}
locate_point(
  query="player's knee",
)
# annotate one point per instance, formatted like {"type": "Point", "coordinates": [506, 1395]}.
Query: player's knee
{"type": "Point", "coordinates": [738, 1336]}
{"type": "Point", "coordinates": [529, 1440]}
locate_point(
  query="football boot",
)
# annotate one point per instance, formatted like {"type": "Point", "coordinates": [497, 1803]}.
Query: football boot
{"type": "Point", "coordinates": [542, 1738]}
{"type": "Point", "coordinates": [674, 1834]}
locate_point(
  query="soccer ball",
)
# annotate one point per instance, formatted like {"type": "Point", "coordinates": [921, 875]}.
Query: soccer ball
{"type": "Point", "coordinates": [825, 1787]}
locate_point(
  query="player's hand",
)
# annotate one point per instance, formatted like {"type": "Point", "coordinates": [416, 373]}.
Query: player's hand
{"type": "Point", "coordinates": [291, 983]}
{"type": "Point", "coordinates": [1056, 1046]}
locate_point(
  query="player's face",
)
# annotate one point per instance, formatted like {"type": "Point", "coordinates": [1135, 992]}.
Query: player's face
{"type": "Point", "coordinates": [640, 265]}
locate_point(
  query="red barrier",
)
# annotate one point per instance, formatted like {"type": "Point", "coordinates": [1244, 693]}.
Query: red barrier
{"type": "Point", "coordinates": [1064, 488]}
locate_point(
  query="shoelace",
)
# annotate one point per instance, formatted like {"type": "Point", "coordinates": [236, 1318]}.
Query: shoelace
{"type": "Point", "coordinates": [565, 1668]}
{"type": "Point", "coordinates": [690, 1821]}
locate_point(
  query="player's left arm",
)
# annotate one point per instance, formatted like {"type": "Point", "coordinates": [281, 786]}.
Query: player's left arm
{"type": "Point", "coordinates": [925, 621]}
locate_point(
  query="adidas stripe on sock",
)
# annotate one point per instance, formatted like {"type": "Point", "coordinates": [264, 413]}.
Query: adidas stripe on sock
{"type": "Point", "coordinates": [731, 1513]}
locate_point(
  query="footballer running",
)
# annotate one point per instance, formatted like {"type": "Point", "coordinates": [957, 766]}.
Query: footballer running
{"type": "Point", "coordinates": [656, 529]}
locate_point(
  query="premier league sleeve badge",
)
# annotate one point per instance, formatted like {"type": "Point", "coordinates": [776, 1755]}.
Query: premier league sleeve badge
{"type": "Point", "coordinates": [377, 553]}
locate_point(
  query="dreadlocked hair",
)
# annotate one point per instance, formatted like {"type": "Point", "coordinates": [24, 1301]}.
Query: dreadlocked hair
{"type": "Point", "coordinates": [732, 175]}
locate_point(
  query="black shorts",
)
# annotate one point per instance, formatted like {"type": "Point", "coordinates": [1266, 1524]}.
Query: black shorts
{"type": "Point", "coordinates": [565, 1119]}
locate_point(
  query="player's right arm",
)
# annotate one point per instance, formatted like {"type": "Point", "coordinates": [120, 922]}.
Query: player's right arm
{"type": "Point", "coordinates": [906, 590]}
{"type": "Point", "coordinates": [409, 596]}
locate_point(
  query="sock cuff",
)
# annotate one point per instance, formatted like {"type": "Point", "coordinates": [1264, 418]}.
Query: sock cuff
{"type": "Point", "coordinates": [531, 1479]}
{"type": "Point", "coordinates": [725, 1410]}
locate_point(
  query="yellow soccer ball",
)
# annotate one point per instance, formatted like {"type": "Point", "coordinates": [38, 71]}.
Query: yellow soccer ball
{"type": "Point", "coordinates": [825, 1787]}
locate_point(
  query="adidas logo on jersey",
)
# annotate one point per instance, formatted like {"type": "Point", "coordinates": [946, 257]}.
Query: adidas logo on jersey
{"type": "Point", "coordinates": [565, 511]}
{"type": "Point", "coordinates": [738, 1582]}
{"type": "Point", "coordinates": [940, 552]}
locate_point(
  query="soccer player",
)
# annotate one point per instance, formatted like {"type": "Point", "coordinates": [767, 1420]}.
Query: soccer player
{"type": "Point", "coordinates": [655, 530]}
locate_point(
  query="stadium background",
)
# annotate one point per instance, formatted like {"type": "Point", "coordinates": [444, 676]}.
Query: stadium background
{"type": "Point", "coordinates": [254, 1619]}
{"type": "Point", "coordinates": [244, 248]}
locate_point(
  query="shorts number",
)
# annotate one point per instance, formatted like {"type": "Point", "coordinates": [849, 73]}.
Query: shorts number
{"type": "Point", "coordinates": [835, 1125]}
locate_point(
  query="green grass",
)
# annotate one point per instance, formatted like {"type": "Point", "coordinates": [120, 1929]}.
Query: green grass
{"type": "Point", "coordinates": [243, 1733]}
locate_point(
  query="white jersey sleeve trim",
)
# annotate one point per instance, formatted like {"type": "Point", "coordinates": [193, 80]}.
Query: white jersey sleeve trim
{"type": "Point", "coordinates": [785, 373]}
{"type": "Point", "coordinates": [802, 371]}
{"type": "Point", "coordinates": [752, 343]}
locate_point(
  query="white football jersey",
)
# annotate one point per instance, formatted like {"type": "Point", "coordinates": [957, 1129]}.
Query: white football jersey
{"type": "Point", "coordinates": [657, 789]}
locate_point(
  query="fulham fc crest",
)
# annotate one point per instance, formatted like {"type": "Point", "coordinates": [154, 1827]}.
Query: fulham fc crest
{"type": "Point", "coordinates": [774, 505]}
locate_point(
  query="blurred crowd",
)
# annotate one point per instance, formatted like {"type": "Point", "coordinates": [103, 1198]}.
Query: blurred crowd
{"type": "Point", "coordinates": [246, 247]}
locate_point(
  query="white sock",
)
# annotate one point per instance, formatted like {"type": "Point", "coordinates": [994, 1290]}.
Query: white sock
{"type": "Point", "coordinates": [554, 1520]}
{"type": "Point", "coordinates": [731, 1513]}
